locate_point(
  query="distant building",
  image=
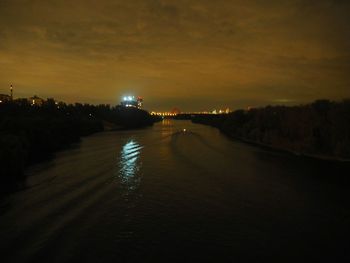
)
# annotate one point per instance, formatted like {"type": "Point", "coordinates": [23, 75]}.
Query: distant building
{"type": "Point", "coordinates": [176, 111]}
{"type": "Point", "coordinates": [4, 98]}
{"type": "Point", "coordinates": [35, 100]}
{"type": "Point", "coordinates": [139, 102]}
{"type": "Point", "coordinates": [131, 101]}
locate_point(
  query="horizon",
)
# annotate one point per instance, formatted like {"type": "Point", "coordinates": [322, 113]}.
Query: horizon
{"type": "Point", "coordinates": [244, 106]}
{"type": "Point", "coordinates": [174, 131]}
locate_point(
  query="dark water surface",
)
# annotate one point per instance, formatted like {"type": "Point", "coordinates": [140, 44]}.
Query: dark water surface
{"type": "Point", "coordinates": [162, 194]}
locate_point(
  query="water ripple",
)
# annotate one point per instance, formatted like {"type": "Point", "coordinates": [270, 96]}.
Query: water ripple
{"type": "Point", "coordinates": [129, 165]}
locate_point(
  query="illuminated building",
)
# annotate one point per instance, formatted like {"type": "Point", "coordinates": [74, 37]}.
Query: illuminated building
{"type": "Point", "coordinates": [35, 100]}
{"type": "Point", "coordinates": [176, 111]}
{"type": "Point", "coordinates": [139, 102]}
{"type": "Point", "coordinates": [131, 101]}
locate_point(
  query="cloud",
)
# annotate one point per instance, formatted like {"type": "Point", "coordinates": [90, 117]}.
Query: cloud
{"type": "Point", "coordinates": [167, 50]}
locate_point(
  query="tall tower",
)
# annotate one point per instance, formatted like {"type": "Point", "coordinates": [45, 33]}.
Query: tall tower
{"type": "Point", "coordinates": [11, 91]}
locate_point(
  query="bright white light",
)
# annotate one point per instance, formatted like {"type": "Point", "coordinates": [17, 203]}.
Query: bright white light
{"type": "Point", "coordinates": [130, 165]}
{"type": "Point", "coordinates": [125, 98]}
{"type": "Point", "coordinates": [130, 98]}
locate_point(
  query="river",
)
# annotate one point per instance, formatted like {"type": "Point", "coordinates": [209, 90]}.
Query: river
{"type": "Point", "coordinates": [176, 191]}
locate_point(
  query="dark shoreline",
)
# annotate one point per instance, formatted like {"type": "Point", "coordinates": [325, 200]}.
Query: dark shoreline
{"type": "Point", "coordinates": [32, 134]}
{"type": "Point", "coordinates": [320, 130]}
{"type": "Point", "coordinates": [20, 184]}
{"type": "Point", "coordinates": [272, 148]}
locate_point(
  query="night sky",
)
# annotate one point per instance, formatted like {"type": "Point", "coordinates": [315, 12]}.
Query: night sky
{"type": "Point", "coordinates": [194, 55]}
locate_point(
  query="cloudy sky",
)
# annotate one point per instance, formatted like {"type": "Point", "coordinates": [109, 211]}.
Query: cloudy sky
{"type": "Point", "coordinates": [193, 55]}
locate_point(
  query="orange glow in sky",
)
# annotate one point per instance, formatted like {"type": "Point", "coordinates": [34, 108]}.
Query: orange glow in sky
{"type": "Point", "coordinates": [194, 55]}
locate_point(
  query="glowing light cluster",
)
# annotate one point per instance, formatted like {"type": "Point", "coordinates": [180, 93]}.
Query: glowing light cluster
{"type": "Point", "coordinates": [132, 101]}
{"type": "Point", "coordinates": [194, 112]}
{"type": "Point", "coordinates": [163, 113]}
{"type": "Point", "coordinates": [128, 98]}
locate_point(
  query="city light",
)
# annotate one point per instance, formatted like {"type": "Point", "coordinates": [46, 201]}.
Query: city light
{"type": "Point", "coordinates": [128, 98]}
{"type": "Point", "coordinates": [165, 114]}
{"type": "Point", "coordinates": [132, 101]}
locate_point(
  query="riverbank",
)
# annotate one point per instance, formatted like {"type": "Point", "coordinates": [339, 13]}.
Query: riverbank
{"type": "Point", "coordinates": [30, 134]}
{"type": "Point", "coordinates": [287, 151]}
{"type": "Point", "coordinates": [131, 195]}
{"type": "Point", "coordinates": [319, 130]}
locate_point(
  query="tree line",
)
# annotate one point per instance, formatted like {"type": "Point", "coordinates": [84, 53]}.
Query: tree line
{"type": "Point", "coordinates": [321, 128]}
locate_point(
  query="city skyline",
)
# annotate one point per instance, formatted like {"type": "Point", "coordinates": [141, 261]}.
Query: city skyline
{"type": "Point", "coordinates": [191, 55]}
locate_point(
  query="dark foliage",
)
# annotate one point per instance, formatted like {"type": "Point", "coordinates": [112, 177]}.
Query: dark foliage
{"type": "Point", "coordinates": [32, 133]}
{"type": "Point", "coordinates": [320, 128]}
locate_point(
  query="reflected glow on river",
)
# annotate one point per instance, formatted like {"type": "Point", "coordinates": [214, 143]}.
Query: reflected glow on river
{"type": "Point", "coordinates": [160, 194]}
{"type": "Point", "coordinates": [129, 164]}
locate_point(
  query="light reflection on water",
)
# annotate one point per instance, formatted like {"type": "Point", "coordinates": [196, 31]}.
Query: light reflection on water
{"type": "Point", "coordinates": [179, 194]}
{"type": "Point", "coordinates": [130, 164]}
